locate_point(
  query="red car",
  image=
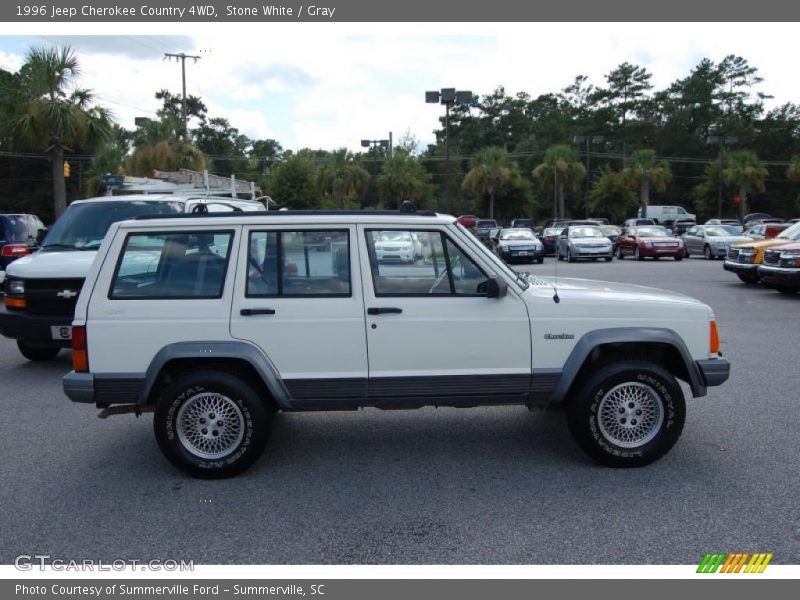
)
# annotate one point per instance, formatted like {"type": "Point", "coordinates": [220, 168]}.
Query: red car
{"type": "Point", "coordinates": [648, 240]}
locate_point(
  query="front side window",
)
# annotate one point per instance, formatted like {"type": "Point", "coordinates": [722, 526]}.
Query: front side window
{"type": "Point", "coordinates": [186, 265]}
{"type": "Point", "coordinates": [298, 263]}
{"type": "Point", "coordinates": [435, 265]}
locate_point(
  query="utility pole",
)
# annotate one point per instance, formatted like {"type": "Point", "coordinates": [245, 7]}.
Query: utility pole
{"type": "Point", "coordinates": [182, 57]}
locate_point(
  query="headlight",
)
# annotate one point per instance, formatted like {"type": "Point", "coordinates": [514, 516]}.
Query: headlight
{"type": "Point", "coordinates": [16, 287]}
{"type": "Point", "coordinates": [649, 244]}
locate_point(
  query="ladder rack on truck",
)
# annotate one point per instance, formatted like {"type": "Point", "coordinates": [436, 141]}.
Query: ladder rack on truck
{"type": "Point", "coordinates": [186, 181]}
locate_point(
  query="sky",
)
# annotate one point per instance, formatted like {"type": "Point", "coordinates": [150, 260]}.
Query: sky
{"type": "Point", "coordinates": [332, 85]}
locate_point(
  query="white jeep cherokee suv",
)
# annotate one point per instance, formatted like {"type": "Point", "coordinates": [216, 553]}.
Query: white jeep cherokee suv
{"type": "Point", "coordinates": [214, 322]}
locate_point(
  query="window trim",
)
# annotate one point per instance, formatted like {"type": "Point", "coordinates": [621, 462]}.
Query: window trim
{"type": "Point", "coordinates": [231, 232]}
{"type": "Point", "coordinates": [280, 257]}
{"type": "Point", "coordinates": [373, 263]}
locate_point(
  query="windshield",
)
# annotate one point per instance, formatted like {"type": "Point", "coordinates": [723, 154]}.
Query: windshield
{"type": "Point", "coordinates": [485, 224]}
{"type": "Point", "coordinates": [793, 233]}
{"type": "Point", "coordinates": [651, 232]}
{"type": "Point", "coordinates": [610, 229]}
{"type": "Point", "coordinates": [519, 278]}
{"type": "Point", "coordinates": [83, 226]}
{"type": "Point", "coordinates": [552, 231]}
{"type": "Point", "coordinates": [517, 234]}
{"type": "Point", "coordinates": [721, 231]}
{"type": "Point", "coordinates": [13, 229]}
{"type": "Point", "coordinates": [580, 232]}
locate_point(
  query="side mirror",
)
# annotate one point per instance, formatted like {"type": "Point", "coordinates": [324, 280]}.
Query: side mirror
{"type": "Point", "coordinates": [40, 235]}
{"type": "Point", "coordinates": [494, 287]}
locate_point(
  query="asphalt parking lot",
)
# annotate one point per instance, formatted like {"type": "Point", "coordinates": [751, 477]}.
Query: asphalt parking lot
{"type": "Point", "coordinates": [432, 486]}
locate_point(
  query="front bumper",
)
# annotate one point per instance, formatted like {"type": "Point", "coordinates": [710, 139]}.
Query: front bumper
{"type": "Point", "coordinates": [19, 325]}
{"type": "Point", "coordinates": [654, 251]}
{"type": "Point", "coordinates": [532, 253]}
{"type": "Point", "coordinates": [715, 371]}
{"type": "Point", "coordinates": [780, 275]}
{"type": "Point", "coordinates": [737, 267]}
{"type": "Point", "coordinates": [579, 252]}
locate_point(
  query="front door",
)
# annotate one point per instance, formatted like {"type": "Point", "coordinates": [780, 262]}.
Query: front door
{"type": "Point", "coordinates": [433, 335]}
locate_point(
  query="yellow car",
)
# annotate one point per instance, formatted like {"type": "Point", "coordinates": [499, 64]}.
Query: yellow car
{"type": "Point", "coordinates": [744, 259]}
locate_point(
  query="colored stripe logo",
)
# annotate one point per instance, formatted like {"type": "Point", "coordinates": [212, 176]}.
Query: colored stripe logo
{"type": "Point", "coordinates": [736, 562]}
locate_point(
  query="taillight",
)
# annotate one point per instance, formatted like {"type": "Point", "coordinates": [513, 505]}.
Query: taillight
{"type": "Point", "coordinates": [713, 343]}
{"type": "Point", "coordinates": [16, 250]}
{"type": "Point", "coordinates": [80, 351]}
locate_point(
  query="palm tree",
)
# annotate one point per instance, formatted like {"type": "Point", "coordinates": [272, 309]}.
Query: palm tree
{"type": "Point", "coordinates": [562, 169]}
{"type": "Point", "coordinates": [53, 117]}
{"type": "Point", "coordinates": [342, 178]}
{"type": "Point", "coordinates": [611, 193]}
{"type": "Point", "coordinates": [402, 178]}
{"type": "Point", "coordinates": [745, 171]}
{"type": "Point", "coordinates": [493, 173]}
{"type": "Point", "coordinates": [166, 155]}
{"type": "Point", "coordinates": [644, 171]}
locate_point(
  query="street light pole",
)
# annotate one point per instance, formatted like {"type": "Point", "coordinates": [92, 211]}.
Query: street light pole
{"type": "Point", "coordinates": [587, 140]}
{"type": "Point", "coordinates": [448, 97]}
{"type": "Point", "coordinates": [721, 140]}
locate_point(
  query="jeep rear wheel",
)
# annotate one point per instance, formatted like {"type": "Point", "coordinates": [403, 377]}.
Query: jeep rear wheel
{"type": "Point", "coordinates": [37, 352]}
{"type": "Point", "coordinates": [628, 414]}
{"type": "Point", "coordinates": [211, 424]}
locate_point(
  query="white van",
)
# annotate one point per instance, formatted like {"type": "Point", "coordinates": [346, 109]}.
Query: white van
{"type": "Point", "coordinates": [666, 213]}
{"type": "Point", "coordinates": [42, 288]}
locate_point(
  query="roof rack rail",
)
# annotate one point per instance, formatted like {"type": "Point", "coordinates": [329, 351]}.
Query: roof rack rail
{"type": "Point", "coordinates": [292, 213]}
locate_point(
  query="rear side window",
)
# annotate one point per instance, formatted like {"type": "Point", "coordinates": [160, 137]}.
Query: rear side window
{"type": "Point", "coordinates": [186, 265]}
{"type": "Point", "coordinates": [298, 263]}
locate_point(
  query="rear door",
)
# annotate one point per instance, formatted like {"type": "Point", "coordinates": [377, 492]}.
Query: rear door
{"type": "Point", "coordinates": [298, 297]}
{"type": "Point", "coordinates": [432, 335]}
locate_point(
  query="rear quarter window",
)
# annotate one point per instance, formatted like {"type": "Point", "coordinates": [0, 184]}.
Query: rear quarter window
{"type": "Point", "coordinates": [13, 228]}
{"type": "Point", "coordinates": [185, 265]}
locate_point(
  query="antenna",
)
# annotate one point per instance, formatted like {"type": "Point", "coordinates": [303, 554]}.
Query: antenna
{"type": "Point", "coordinates": [554, 285]}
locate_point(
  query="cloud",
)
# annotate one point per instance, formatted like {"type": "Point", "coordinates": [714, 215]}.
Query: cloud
{"type": "Point", "coordinates": [130, 46]}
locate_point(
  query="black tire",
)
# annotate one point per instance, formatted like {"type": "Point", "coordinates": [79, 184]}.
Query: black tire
{"type": "Point", "coordinates": [37, 353]}
{"type": "Point", "coordinates": [656, 257]}
{"type": "Point", "coordinates": [636, 254]}
{"type": "Point", "coordinates": [620, 255]}
{"type": "Point", "coordinates": [748, 278]}
{"type": "Point", "coordinates": [540, 260]}
{"type": "Point", "coordinates": [785, 289]}
{"type": "Point", "coordinates": [243, 408]}
{"type": "Point", "coordinates": [678, 257]}
{"type": "Point", "coordinates": [707, 253]}
{"type": "Point", "coordinates": [608, 258]}
{"type": "Point", "coordinates": [570, 258]}
{"type": "Point", "coordinates": [654, 390]}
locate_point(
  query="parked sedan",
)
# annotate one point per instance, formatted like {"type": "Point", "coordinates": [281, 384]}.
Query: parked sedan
{"type": "Point", "coordinates": [584, 241]}
{"type": "Point", "coordinates": [518, 244]}
{"type": "Point", "coordinates": [550, 239]}
{"type": "Point", "coordinates": [712, 241]}
{"type": "Point", "coordinates": [400, 246]}
{"type": "Point", "coordinates": [648, 241]}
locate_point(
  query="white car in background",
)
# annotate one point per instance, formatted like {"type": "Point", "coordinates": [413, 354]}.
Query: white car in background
{"type": "Point", "coordinates": [401, 246]}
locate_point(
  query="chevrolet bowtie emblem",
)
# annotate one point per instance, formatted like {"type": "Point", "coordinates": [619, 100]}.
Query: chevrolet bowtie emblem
{"type": "Point", "coordinates": [67, 294]}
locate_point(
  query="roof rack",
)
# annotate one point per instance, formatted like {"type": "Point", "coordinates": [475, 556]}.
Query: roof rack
{"type": "Point", "coordinates": [186, 181]}
{"type": "Point", "coordinates": [293, 213]}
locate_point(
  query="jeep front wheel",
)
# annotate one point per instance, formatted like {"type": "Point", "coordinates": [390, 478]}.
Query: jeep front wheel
{"type": "Point", "coordinates": [211, 424]}
{"type": "Point", "coordinates": [628, 414]}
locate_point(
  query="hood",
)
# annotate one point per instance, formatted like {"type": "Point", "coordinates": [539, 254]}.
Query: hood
{"type": "Point", "coordinates": [597, 294]}
{"type": "Point", "coordinates": [68, 264]}
{"type": "Point", "coordinates": [758, 244]}
{"type": "Point", "coordinates": [729, 239]}
{"type": "Point", "coordinates": [791, 246]}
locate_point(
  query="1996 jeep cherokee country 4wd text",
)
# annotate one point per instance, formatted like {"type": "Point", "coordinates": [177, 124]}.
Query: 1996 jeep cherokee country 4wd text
{"type": "Point", "coordinates": [215, 322]}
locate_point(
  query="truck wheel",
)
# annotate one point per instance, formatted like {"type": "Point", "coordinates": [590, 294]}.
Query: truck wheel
{"type": "Point", "coordinates": [211, 424]}
{"type": "Point", "coordinates": [37, 353]}
{"type": "Point", "coordinates": [627, 414]}
{"type": "Point", "coordinates": [748, 278]}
